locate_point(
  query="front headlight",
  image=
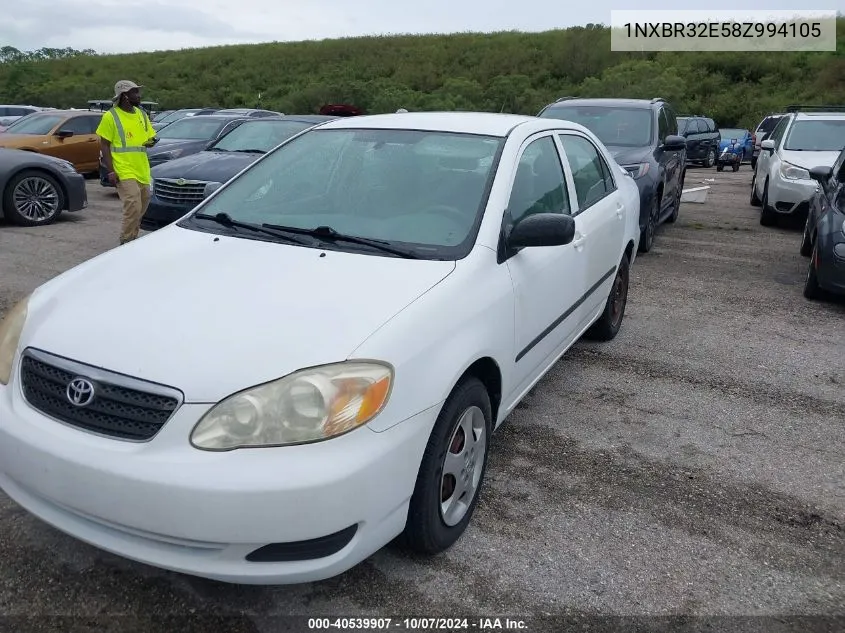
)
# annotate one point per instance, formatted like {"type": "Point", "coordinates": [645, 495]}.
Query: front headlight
{"type": "Point", "coordinates": [791, 172]}
{"type": "Point", "coordinates": [66, 166]}
{"type": "Point", "coordinates": [10, 333]}
{"type": "Point", "coordinates": [307, 406]}
{"type": "Point", "coordinates": [637, 171]}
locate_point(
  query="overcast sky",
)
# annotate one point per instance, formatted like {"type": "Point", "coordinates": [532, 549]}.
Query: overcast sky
{"type": "Point", "coordinates": [118, 26]}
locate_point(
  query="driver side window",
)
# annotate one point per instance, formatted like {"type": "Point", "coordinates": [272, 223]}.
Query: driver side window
{"type": "Point", "coordinates": [539, 185]}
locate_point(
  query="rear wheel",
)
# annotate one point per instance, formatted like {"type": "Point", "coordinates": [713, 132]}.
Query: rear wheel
{"type": "Point", "coordinates": [608, 324]}
{"type": "Point", "coordinates": [33, 198]}
{"type": "Point", "coordinates": [452, 470]}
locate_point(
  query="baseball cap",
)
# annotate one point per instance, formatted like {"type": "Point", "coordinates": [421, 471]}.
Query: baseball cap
{"type": "Point", "coordinates": [124, 85]}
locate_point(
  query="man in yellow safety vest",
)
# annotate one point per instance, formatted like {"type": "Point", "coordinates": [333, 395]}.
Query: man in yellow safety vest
{"type": "Point", "coordinates": [125, 133]}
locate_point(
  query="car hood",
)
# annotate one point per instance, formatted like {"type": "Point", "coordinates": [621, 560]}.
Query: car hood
{"type": "Point", "coordinates": [21, 140]}
{"type": "Point", "coordinates": [208, 166]}
{"type": "Point", "coordinates": [629, 155]}
{"type": "Point", "coordinates": [212, 315]}
{"type": "Point", "coordinates": [808, 160]}
{"type": "Point", "coordinates": [170, 144]}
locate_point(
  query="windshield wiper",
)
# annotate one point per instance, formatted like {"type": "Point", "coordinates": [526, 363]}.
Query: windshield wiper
{"type": "Point", "coordinates": [328, 233]}
{"type": "Point", "coordinates": [250, 151]}
{"type": "Point", "coordinates": [226, 220]}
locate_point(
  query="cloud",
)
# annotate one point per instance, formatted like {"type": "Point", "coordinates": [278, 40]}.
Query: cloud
{"type": "Point", "coordinates": [112, 26]}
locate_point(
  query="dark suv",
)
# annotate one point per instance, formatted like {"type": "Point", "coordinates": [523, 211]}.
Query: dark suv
{"type": "Point", "coordinates": [642, 135]}
{"type": "Point", "coordinates": [702, 137]}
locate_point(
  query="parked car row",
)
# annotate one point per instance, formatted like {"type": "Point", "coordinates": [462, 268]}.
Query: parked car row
{"type": "Point", "coordinates": [800, 171]}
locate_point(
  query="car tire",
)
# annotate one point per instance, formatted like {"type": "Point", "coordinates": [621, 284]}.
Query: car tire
{"type": "Point", "coordinates": [812, 290]}
{"type": "Point", "coordinates": [736, 166]}
{"type": "Point", "coordinates": [608, 324]}
{"type": "Point", "coordinates": [755, 201]}
{"type": "Point", "coordinates": [720, 167]}
{"type": "Point", "coordinates": [676, 208]}
{"type": "Point", "coordinates": [40, 187]}
{"type": "Point", "coordinates": [806, 240]}
{"type": "Point", "coordinates": [647, 237]}
{"type": "Point", "coordinates": [466, 412]}
{"type": "Point", "coordinates": [767, 216]}
{"type": "Point", "coordinates": [753, 163]}
{"type": "Point", "coordinates": [711, 158]}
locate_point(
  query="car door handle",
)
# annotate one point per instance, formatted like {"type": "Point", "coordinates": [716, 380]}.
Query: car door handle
{"type": "Point", "coordinates": [619, 211]}
{"type": "Point", "coordinates": [579, 240]}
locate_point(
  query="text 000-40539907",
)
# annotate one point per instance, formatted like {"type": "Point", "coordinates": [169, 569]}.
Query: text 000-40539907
{"type": "Point", "coordinates": [739, 30]}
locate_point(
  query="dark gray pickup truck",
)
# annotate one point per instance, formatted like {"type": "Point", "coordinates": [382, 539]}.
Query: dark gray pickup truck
{"type": "Point", "coordinates": [702, 137]}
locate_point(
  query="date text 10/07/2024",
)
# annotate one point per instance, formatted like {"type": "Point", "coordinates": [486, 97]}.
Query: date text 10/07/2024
{"type": "Point", "coordinates": [723, 30]}
{"type": "Point", "coordinates": [418, 624]}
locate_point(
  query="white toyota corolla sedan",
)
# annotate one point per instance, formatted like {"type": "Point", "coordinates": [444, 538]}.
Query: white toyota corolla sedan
{"type": "Point", "coordinates": [313, 360]}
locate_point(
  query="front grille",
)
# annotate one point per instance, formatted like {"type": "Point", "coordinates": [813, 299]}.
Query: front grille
{"type": "Point", "coordinates": [189, 193]}
{"type": "Point", "coordinates": [117, 406]}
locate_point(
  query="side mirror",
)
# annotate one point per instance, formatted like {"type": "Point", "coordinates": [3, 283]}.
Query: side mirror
{"type": "Point", "coordinates": [542, 229]}
{"type": "Point", "coordinates": [768, 145]}
{"type": "Point", "coordinates": [210, 188]}
{"type": "Point", "coordinates": [64, 133]}
{"type": "Point", "coordinates": [821, 174]}
{"type": "Point", "coordinates": [674, 142]}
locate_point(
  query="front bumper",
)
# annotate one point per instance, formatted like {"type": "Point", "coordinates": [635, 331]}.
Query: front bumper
{"type": "Point", "coordinates": [77, 193]}
{"type": "Point", "coordinates": [159, 213]}
{"type": "Point", "coordinates": [790, 197]}
{"type": "Point", "coordinates": [166, 504]}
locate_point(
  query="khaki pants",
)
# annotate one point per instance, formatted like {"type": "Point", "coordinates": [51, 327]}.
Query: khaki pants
{"type": "Point", "coordinates": [135, 198]}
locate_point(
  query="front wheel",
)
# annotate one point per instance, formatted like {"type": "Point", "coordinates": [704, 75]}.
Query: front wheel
{"type": "Point", "coordinates": [452, 470]}
{"type": "Point", "coordinates": [767, 214]}
{"type": "Point", "coordinates": [812, 290]}
{"type": "Point", "coordinates": [806, 240]}
{"type": "Point", "coordinates": [720, 167]}
{"type": "Point", "coordinates": [711, 158]}
{"type": "Point", "coordinates": [608, 324]}
{"type": "Point", "coordinates": [647, 237]}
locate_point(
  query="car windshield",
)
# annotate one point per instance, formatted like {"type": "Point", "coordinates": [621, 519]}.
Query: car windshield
{"type": "Point", "coordinates": [729, 133]}
{"type": "Point", "coordinates": [35, 124]}
{"type": "Point", "coordinates": [259, 135]}
{"type": "Point", "coordinates": [816, 136]}
{"type": "Point", "coordinates": [769, 124]}
{"type": "Point", "coordinates": [194, 128]}
{"type": "Point", "coordinates": [622, 127]}
{"type": "Point", "coordinates": [420, 191]}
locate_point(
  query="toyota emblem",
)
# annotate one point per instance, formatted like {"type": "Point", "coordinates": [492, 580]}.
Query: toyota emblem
{"type": "Point", "coordinates": [181, 182]}
{"type": "Point", "coordinates": [80, 392]}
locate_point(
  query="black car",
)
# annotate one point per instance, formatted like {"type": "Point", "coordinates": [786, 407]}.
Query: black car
{"type": "Point", "coordinates": [642, 135]}
{"type": "Point", "coordinates": [179, 185]}
{"type": "Point", "coordinates": [824, 232]}
{"type": "Point", "coordinates": [36, 188]}
{"type": "Point", "coordinates": [184, 137]}
{"type": "Point", "coordinates": [702, 137]}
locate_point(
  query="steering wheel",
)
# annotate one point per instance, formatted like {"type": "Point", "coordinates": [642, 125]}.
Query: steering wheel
{"type": "Point", "coordinates": [444, 209]}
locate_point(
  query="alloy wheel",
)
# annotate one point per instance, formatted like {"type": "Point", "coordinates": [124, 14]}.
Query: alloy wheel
{"type": "Point", "coordinates": [36, 199]}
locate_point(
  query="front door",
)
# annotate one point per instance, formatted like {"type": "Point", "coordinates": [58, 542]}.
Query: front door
{"type": "Point", "coordinates": [83, 148]}
{"type": "Point", "coordinates": [548, 281]}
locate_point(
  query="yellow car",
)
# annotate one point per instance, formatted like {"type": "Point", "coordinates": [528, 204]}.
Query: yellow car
{"type": "Point", "coordinates": [65, 134]}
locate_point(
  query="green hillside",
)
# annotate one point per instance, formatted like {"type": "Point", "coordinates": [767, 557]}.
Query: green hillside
{"type": "Point", "coordinates": [508, 71]}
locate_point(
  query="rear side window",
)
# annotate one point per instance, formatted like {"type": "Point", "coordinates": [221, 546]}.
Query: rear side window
{"type": "Point", "coordinates": [769, 124]}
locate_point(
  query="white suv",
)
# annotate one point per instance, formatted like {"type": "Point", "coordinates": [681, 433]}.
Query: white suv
{"type": "Point", "coordinates": [801, 140]}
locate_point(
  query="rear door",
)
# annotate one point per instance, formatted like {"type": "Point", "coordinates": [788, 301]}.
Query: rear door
{"type": "Point", "coordinates": [599, 215]}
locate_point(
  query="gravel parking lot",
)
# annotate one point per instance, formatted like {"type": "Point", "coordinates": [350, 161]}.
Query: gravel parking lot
{"type": "Point", "coordinates": [695, 465]}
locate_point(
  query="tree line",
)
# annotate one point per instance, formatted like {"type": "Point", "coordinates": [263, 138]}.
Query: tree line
{"type": "Point", "coordinates": [500, 72]}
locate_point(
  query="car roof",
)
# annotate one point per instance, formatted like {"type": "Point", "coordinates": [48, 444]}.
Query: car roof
{"type": "Point", "coordinates": [819, 115]}
{"type": "Point", "coordinates": [605, 101]}
{"type": "Point", "coordinates": [486, 123]}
